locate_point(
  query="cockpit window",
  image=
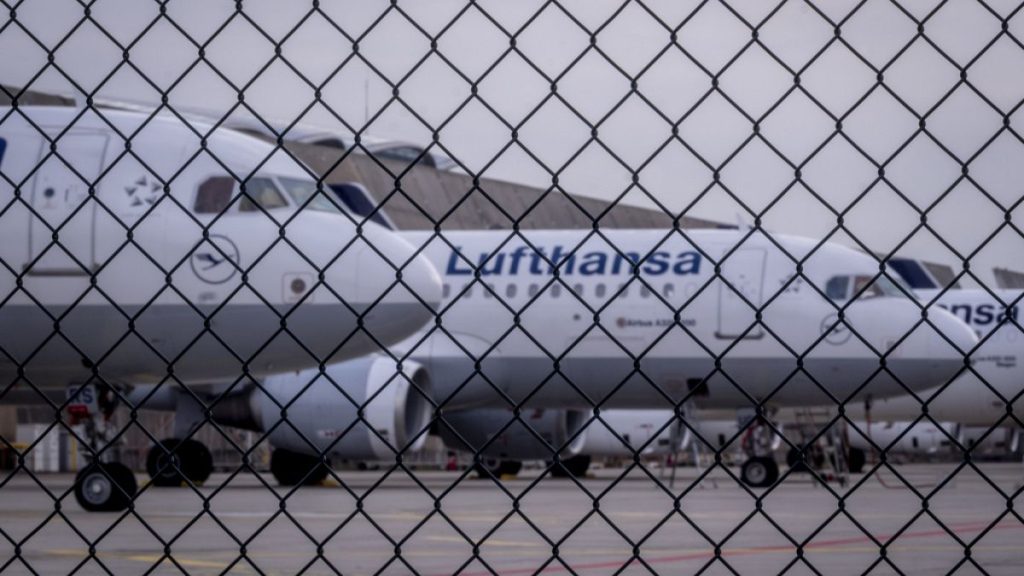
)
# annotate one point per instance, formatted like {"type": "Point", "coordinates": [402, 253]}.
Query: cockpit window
{"type": "Point", "coordinates": [214, 195]}
{"type": "Point", "coordinates": [263, 193]}
{"type": "Point", "coordinates": [840, 288]}
{"type": "Point", "coordinates": [302, 190]}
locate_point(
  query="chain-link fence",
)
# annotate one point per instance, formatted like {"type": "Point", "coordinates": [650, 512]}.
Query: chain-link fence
{"type": "Point", "coordinates": [500, 288]}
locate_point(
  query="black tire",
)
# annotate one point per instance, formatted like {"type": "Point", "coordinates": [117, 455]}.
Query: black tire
{"type": "Point", "coordinates": [291, 468]}
{"type": "Point", "coordinates": [759, 472]}
{"type": "Point", "coordinates": [795, 462]}
{"type": "Point", "coordinates": [105, 487]}
{"type": "Point", "coordinates": [856, 460]}
{"type": "Point", "coordinates": [812, 458]}
{"type": "Point", "coordinates": [575, 467]}
{"type": "Point", "coordinates": [497, 468]}
{"type": "Point", "coordinates": [187, 459]}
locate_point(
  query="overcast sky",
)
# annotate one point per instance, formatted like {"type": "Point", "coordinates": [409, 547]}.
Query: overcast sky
{"type": "Point", "coordinates": [667, 79]}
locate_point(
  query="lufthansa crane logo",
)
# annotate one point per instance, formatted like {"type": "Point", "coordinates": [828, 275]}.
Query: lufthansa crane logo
{"type": "Point", "coordinates": [836, 332]}
{"type": "Point", "coordinates": [215, 261]}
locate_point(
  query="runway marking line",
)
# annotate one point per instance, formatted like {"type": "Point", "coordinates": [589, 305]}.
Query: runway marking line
{"type": "Point", "coordinates": [153, 559]}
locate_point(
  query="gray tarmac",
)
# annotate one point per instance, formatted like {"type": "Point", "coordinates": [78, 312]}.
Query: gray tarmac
{"type": "Point", "coordinates": [439, 523]}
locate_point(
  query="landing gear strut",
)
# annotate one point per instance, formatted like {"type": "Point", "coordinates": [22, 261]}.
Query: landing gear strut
{"type": "Point", "coordinates": [759, 443]}
{"type": "Point", "coordinates": [172, 461]}
{"type": "Point", "coordinates": [102, 486]}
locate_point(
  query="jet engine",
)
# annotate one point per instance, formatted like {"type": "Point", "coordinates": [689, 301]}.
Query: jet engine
{"type": "Point", "coordinates": [312, 413]}
{"type": "Point", "coordinates": [537, 435]}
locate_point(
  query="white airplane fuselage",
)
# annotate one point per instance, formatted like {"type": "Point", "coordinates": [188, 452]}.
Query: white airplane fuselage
{"type": "Point", "coordinates": [979, 397]}
{"type": "Point", "coordinates": [128, 252]}
{"type": "Point", "coordinates": [510, 331]}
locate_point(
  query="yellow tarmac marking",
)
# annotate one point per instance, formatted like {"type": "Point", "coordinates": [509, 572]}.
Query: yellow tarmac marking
{"type": "Point", "coordinates": [142, 557]}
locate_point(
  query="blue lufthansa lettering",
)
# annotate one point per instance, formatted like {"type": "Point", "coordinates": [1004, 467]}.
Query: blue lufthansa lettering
{"type": "Point", "coordinates": [981, 314]}
{"type": "Point", "coordinates": [453, 266]}
{"type": "Point", "coordinates": [536, 262]}
{"type": "Point", "coordinates": [657, 264]}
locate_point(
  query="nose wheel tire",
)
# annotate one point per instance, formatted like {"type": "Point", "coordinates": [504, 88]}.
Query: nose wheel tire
{"type": "Point", "coordinates": [759, 472]}
{"type": "Point", "coordinates": [105, 487]}
{"type": "Point", "coordinates": [292, 469]}
{"type": "Point", "coordinates": [172, 461]}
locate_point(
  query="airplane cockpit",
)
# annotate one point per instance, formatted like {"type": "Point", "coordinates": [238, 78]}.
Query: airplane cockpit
{"type": "Point", "coordinates": [842, 288]}
{"type": "Point", "coordinates": [262, 193]}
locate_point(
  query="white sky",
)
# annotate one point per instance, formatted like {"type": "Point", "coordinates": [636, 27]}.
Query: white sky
{"type": "Point", "coordinates": [963, 123]}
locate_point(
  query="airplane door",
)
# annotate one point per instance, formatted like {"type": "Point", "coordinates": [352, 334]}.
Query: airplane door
{"type": "Point", "coordinates": [744, 270]}
{"type": "Point", "coordinates": [60, 199]}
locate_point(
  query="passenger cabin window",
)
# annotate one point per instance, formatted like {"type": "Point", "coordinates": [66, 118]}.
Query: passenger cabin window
{"type": "Point", "coordinates": [303, 191]}
{"type": "Point", "coordinates": [510, 291]}
{"type": "Point", "coordinates": [556, 290]}
{"type": "Point", "coordinates": [600, 290]}
{"type": "Point", "coordinates": [260, 193]}
{"type": "Point", "coordinates": [532, 290]}
{"type": "Point", "coordinates": [446, 291]}
{"type": "Point", "coordinates": [214, 195]}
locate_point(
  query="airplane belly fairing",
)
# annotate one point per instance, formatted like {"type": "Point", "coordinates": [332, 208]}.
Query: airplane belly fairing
{"type": "Point", "coordinates": [165, 335]}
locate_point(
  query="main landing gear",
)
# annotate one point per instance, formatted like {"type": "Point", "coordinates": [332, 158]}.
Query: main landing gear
{"type": "Point", "coordinates": [292, 468]}
{"type": "Point", "coordinates": [172, 462]}
{"type": "Point", "coordinates": [495, 467]}
{"type": "Point", "coordinates": [575, 467]}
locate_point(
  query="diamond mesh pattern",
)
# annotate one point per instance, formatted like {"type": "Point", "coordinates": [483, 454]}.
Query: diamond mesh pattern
{"type": "Point", "coordinates": [872, 117]}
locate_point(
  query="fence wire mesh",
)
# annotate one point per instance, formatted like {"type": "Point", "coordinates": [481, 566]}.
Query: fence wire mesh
{"type": "Point", "coordinates": [208, 311]}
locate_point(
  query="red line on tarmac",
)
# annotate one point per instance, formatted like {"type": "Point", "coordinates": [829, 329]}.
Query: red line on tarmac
{"type": "Point", "coordinates": [746, 551]}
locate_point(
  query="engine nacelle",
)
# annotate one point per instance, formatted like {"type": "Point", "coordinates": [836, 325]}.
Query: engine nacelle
{"type": "Point", "coordinates": [536, 437]}
{"type": "Point", "coordinates": [626, 432]}
{"type": "Point", "coordinates": [322, 411]}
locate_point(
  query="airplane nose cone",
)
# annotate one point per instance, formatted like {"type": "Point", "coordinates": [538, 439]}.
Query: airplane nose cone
{"type": "Point", "coordinates": [399, 288]}
{"type": "Point", "coordinates": [951, 343]}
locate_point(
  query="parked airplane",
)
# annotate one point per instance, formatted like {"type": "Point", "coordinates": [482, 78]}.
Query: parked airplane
{"type": "Point", "coordinates": [551, 323]}
{"type": "Point", "coordinates": [985, 398]}
{"type": "Point", "coordinates": [996, 376]}
{"type": "Point", "coordinates": [141, 249]}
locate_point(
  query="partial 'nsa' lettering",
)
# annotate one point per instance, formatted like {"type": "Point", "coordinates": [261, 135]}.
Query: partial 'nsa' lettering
{"type": "Point", "coordinates": [524, 260]}
{"type": "Point", "coordinates": [980, 314]}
